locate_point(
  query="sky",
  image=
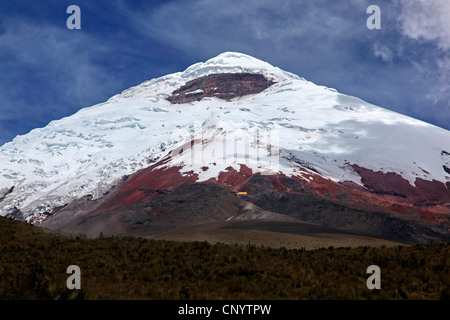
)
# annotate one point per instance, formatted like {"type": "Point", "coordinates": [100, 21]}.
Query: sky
{"type": "Point", "coordinates": [48, 72]}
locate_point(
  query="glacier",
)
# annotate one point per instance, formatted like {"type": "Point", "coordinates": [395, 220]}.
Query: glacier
{"type": "Point", "coordinates": [97, 147]}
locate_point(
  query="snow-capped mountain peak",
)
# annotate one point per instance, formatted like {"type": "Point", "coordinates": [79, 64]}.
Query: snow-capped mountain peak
{"type": "Point", "coordinates": [307, 127]}
{"type": "Point", "coordinates": [233, 62]}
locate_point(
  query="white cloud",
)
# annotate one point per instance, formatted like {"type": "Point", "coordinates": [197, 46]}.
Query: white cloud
{"type": "Point", "coordinates": [47, 72]}
{"type": "Point", "coordinates": [427, 20]}
{"type": "Point", "coordinates": [383, 52]}
{"type": "Point", "coordinates": [442, 90]}
{"type": "Point", "coordinates": [54, 56]}
{"type": "Point", "coordinates": [262, 27]}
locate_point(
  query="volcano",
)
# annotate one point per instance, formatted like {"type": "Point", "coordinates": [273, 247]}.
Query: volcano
{"type": "Point", "coordinates": [227, 141]}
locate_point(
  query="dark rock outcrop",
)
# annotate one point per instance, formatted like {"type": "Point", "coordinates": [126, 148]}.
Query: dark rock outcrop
{"type": "Point", "coordinates": [4, 193]}
{"type": "Point", "coordinates": [223, 86]}
{"type": "Point", "coordinates": [446, 169]}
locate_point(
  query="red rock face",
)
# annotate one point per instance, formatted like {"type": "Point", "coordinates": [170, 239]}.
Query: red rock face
{"type": "Point", "coordinates": [145, 185]}
{"type": "Point", "coordinates": [424, 193]}
{"type": "Point", "coordinates": [384, 192]}
{"type": "Point", "coordinates": [159, 198]}
{"type": "Point", "coordinates": [385, 183]}
{"type": "Point", "coordinates": [223, 86]}
{"type": "Point", "coordinates": [232, 178]}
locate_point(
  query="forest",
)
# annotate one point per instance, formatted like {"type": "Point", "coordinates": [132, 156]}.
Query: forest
{"type": "Point", "coordinates": [34, 262]}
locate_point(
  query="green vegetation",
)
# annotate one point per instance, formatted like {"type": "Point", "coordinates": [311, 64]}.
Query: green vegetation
{"type": "Point", "coordinates": [33, 265]}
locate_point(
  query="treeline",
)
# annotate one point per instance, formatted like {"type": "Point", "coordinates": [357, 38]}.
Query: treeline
{"type": "Point", "coordinates": [33, 264]}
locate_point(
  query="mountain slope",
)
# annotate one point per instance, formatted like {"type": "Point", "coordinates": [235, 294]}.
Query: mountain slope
{"type": "Point", "coordinates": [225, 122]}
